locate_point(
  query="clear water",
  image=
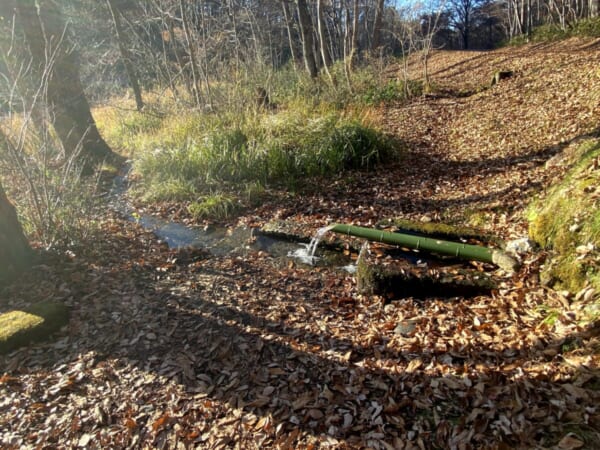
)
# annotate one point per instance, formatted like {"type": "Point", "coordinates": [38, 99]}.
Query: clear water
{"type": "Point", "coordinates": [307, 252]}
{"type": "Point", "coordinates": [221, 241]}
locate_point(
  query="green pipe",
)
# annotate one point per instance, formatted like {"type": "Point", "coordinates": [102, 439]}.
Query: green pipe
{"type": "Point", "coordinates": [459, 250]}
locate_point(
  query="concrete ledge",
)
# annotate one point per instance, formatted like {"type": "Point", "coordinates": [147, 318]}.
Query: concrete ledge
{"type": "Point", "coordinates": [401, 279]}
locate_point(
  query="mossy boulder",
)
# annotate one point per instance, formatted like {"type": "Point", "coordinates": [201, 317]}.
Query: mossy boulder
{"type": "Point", "coordinates": [38, 322]}
{"type": "Point", "coordinates": [566, 222]}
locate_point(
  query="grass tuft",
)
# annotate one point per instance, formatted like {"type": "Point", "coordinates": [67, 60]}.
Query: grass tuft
{"type": "Point", "coordinates": [216, 206]}
{"type": "Point", "coordinates": [310, 129]}
{"type": "Point", "coordinates": [281, 150]}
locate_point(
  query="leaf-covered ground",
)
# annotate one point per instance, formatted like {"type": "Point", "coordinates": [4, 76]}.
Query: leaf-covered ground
{"type": "Point", "coordinates": [182, 349]}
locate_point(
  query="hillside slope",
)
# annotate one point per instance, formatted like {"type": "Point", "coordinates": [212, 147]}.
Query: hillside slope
{"type": "Point", "coordinates": [186, 349]}
{"type": "Point", "coordinates": [489, 145]}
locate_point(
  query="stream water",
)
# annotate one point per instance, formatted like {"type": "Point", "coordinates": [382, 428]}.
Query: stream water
{"type": "Point", "coordinates": [221, 241]}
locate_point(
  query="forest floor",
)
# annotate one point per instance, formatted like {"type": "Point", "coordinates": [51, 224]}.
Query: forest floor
{"type": "Point", "coordinates": [183, 349]}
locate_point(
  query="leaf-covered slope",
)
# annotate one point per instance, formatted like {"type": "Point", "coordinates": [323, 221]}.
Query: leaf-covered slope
{"type": "Point", "coordinates": [181, 350]}
{"type": "Point", "coordinates": [493, 141]}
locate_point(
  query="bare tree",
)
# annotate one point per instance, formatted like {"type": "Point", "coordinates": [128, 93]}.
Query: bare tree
{"type": "Point", "coordinates": [307, 32]}
{"type": "Point", "coordinates": [377, 23]}
{"type": "Point", "coordinates": [323, 40]}
{"type": "Point", "coordinates": [53, 60]}
{"type": "Point", "coordinates": [125, 53]}
{"type": "Point", "coordinates": [463, 12]}
{"type": "Point", "coordinates": [288, 26]}
{"type": "Point", "coordinates": [192, 54]}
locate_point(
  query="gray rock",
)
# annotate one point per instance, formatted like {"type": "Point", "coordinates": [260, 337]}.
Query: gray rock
{"type": "Point", "coordinates": [520, 246]}
{"type": "Point", "coordinates": [406, 328]}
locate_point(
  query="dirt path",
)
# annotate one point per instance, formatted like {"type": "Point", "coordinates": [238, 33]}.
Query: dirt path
{"type": "Point", "coordinates": [171, 349]}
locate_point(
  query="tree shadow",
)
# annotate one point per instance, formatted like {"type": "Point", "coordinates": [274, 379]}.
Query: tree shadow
{"type": "Point", "coordinates": [288, 358]}
{"type": "Point", "coordinates": [443, 172]}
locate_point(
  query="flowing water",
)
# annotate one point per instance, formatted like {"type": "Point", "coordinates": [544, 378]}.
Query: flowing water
{"type": "Point", "coordinates": [221, 241]}
{"type": "Point", "coordinates": [307, 252]}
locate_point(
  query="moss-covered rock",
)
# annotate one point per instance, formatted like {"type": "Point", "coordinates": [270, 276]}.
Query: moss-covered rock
{"type": "Point", "coordinates": [286, 230]}
{"type": "Point", "coordinates": [566, 222]}
{"type": "Point", "coordinates": [18, 328]}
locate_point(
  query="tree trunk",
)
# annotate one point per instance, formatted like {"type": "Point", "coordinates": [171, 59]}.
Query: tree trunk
{"type": "Point", "coordinates": [354, 48]}
{"type": "Point", "coordinates": [15, 253]}
{"type": "Point", "coordinates": [376, 40]}
{"type": "Point", "coordinates": [191, 52]}
{"type": "Point", "coordinates": [125, 54]}
{"type": "Point", "coordinates": [466, 30]}
{"type": "Point", "coordinates": [306, 30]}
{"type": "Point", "coordinates": [347, 44]}
{"type": "Point", "coordinates": [288, 25]}
{"type": "Point", "coordinates": [354, 35]}
{"type": "Point", "coordinates": [323, 40]}
{"type": "Point", "coordinates": [57, 65]}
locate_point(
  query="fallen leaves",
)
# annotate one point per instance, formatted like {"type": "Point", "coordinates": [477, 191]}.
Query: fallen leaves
{"type": "Point", "coordinates": [170, 349]}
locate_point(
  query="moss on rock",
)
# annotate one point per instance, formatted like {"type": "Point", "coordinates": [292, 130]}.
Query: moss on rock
{"type": "Point", "coordinates": [566, 222]}
{"type": "Point", "coordinates": [18, 328]}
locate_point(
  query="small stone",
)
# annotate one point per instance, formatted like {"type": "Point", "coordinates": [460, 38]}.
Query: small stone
{"type": "Point", "coordinates": [585, 249]}
{"type": "Point", "coordinates": [589, 295]}
{"type": "Point", "coordinates": [406, 328]}
{"type": "Point", "coordinates": [84, 440]}
{"type": "Point", "coordinates": [519, 246]}
{"type": "Point", "coordinates": [151, 336]}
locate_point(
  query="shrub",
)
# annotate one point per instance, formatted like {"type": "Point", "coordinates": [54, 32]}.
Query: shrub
{"type": "Point", "coordinates": [392, 91]}
{"type": "Point", "coordinates": [553, 32]}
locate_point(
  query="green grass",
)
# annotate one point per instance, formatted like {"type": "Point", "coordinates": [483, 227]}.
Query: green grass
{"type": "Point", "coordinates": [313, 130]}
{"type": "Point", "coordinates": [217, 206]}
{"type": "Point", "coordinates": [566, 220]}
{"type": "Point", "coordinates": [392, 91]}
{"type": "Point", "coordinates": [194, 154]}
{"type": "Point", "coordinates": [553, 32]}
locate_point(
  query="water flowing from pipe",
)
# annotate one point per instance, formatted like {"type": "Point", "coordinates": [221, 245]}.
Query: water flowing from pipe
{"type": "Point", "coordinates": [306, 254]}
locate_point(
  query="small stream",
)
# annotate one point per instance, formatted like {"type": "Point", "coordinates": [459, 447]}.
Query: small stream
{"type": "Point", "coordinates": [413, 278]}
{"type": "Point", "coordinates": [221, 241]}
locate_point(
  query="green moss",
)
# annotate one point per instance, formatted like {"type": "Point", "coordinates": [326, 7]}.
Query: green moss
{"type": "Point", "coordinates": [371, 279]}
{"type": "Point", "coordinates": [17, 328]}
{"type": "Point", "coordinates": [566, 221]}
